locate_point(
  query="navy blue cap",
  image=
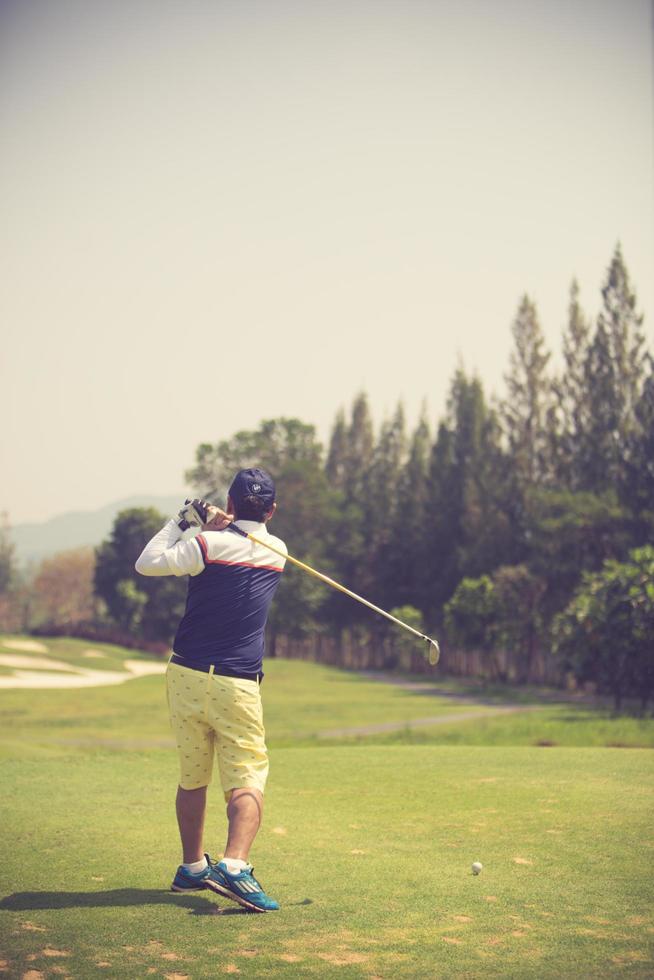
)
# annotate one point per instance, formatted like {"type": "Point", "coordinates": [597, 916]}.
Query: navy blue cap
{"type": "Point", "coordinates": [253, 483]}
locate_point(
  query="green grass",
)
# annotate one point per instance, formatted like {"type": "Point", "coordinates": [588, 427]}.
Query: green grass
{"type": "Point", "coordinates": [368, 853]}
{"type": "Point", "coordinates": [367, 844]}
{"type": "Point", "coordinates": [301, 700]}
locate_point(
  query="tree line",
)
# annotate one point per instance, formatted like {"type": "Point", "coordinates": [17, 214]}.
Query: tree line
{"type": "Point", "coordinates": [499, 531]}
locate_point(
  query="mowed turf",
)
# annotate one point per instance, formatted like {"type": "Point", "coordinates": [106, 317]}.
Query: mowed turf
{"type": "Point", "coordinates": [301, 700]}
{"type": "Point", "coordinates": [368, 848]}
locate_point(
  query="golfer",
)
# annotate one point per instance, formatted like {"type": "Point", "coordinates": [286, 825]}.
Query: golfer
{"type": "Point", "coordinates": [214, 676]}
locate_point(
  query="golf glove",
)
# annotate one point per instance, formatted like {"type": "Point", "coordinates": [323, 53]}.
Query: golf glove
{"type": "Point", "coordinates": [194, 513]}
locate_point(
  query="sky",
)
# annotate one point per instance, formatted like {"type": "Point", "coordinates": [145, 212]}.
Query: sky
{"type": "Point", "coordinates": [221, 211]}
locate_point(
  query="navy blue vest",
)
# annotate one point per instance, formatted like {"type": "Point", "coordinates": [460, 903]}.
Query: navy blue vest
{"type": "Point", "coordinates": [227, 604]}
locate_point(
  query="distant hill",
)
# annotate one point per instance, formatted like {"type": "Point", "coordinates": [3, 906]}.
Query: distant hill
{"type": "Point", "coordinates": [77, 528]}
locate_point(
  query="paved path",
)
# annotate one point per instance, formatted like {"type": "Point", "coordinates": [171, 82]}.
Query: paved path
{"type": "Point", "coordinates": [398, 726]}
{"type": "Point", "coordinates": [429, 690]}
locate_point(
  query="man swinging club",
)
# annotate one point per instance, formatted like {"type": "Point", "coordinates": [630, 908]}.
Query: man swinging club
{"type": "Point", "coordinates": [214, 675]}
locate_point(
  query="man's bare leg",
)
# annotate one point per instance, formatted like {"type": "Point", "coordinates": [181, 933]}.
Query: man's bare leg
{"type": "Point", "coordinates": [244, 813]}
{"type": "Point", "coordinates": [191, 805]}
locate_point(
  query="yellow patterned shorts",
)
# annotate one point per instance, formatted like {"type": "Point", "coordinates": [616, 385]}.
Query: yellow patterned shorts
{"type": "Point", "coordinates": [210, 712]}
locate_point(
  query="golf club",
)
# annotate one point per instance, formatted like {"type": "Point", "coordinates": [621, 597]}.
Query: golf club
{"type": "Point", "coordinates": [433, 649]}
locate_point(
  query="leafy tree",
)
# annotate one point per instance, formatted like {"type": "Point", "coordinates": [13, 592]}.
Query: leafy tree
{"type": "Point", "coordinates": [405, 647]}
{"type": "Point", "coordinates": [132, 604]}
{"type": "Point", "coordinates": [306, 520]}
{"type": "Point", "coordinates": [570, 533]}
{"type": "Point", "coordinates": [7, 555]}
{"type": "Point", "coordinates": [520, 621]}
{"type": "Point", "coordinates": [497, 614]}
{"type": "Point", "coordinates": [15, 594]}
{"type": "Point", "coordinates": [605, 633]}
{"type": "Point", "coordinates": [274, 445]}
{"type": "Point", "coordinates": [472, 614]}
{"type": "Point", "coordinates": [307, 507]}
{"type": "Point", "coordinates": [63, 589]}
{"type": "Point", "coordinates": [15, 591]}
{"type": "Point", "coordinates": [150, 607]}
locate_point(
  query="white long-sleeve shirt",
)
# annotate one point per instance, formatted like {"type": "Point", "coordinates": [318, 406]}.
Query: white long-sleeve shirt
{"type": "Point", "coordinates": [168, 554]}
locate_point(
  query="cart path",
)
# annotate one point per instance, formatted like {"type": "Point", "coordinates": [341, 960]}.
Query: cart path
{"type": "Point", "coordinates": [398, 726]}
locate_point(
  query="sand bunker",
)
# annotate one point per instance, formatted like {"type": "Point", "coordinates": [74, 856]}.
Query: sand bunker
{"type": "Point", "coordinates": [141, 668]}
{"type": "Point", "coordinates": [31, 646]}
{"type": "Point", "coordinates": [32, 663]}
{"type": "Point", "coordinates": [42, 672]}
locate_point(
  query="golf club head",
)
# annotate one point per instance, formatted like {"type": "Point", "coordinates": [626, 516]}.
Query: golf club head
{"type": "Point", "coordinates": [433, 651]}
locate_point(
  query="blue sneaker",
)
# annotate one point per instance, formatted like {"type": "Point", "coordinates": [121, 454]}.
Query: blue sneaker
{"type": "Point", "coordinates": [184, 881]}
{"type": "Point", "coordinates": [242, 887]}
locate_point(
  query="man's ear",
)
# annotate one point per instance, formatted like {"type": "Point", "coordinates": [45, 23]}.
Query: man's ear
{"type": "Point", "coordinates": [230, 505]}
{"type": "Point", "coordinates": [270, 512]}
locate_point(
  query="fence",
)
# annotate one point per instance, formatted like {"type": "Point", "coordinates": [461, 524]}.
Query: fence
{"type": "Point", "coordinates": [352, 653]}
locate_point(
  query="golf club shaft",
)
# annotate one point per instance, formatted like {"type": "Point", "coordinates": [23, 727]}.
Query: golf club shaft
{"type": "Point", "coordinates": [434, 651]}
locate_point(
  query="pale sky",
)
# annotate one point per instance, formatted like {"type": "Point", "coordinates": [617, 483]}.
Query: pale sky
{"type": "Point", "coordinates": [220, 211]}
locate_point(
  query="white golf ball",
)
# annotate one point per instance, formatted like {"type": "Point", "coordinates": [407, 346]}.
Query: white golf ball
{"type": "Point", "coordinates": [476, 867]}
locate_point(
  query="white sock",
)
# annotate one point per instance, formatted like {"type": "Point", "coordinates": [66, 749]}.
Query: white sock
{"type": "Point", "coordinates": [195, 867]}
{"type": "Point", "coordinates": [234, 865]}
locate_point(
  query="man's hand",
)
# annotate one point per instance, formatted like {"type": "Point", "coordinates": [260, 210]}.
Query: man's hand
{"type": "Point", "coordinates": [217, 519]}
{"type": "Point", "coordinates": [193, 514]}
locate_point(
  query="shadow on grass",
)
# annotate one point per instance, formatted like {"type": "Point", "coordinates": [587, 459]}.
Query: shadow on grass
{"type": "Point", "coordinates": [120, 898]}
{"type": "Point", "coordinates": [116, 898]}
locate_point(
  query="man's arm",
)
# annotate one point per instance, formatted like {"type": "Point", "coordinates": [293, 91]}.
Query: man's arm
{"type": "Point", "coordinates": [167, 554]}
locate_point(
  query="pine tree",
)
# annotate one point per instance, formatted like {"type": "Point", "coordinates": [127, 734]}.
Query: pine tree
{"type": "Point", "coordinates": [571, 395]}
{"type": "Point", "coordinates": [380, 500]}
{"type": "Point", "coordinates": [614, 372]}
{"type": "Point", "coordinates": [467, 527]}
{"type": "Point", "coordinates": [407, 581]}
{"type": "Point", "coordinates": [348, 462]}
{"type": "Point", "coordinates": [359, 448]}
{"type": "Point", "coordinates": [525, 409]}
{"type": "Point", "coordinates": [492, 516]}
{"type": "Point", "coordinates": [623, 326]}
{"type": "Point", "coordinates": [443, 522]}
{"type": "Point", "coordinates": [637, 488]}
{"type": "Point", "coordinates": [599, 453]}
{"type": "Point", "coordinates": [337, 455]}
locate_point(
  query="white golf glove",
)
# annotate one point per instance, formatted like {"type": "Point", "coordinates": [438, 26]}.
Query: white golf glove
{"type": "Point", "coordinates": [194, 513]}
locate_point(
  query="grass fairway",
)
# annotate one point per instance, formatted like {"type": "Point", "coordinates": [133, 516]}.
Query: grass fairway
{"type": "Point", "coordinates": [367, 846]}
